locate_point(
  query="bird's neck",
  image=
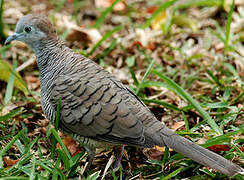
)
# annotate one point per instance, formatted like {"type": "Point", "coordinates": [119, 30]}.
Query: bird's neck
{"type": "Point", "coordinates": [51, 57]}
{"type": "Point", "coordinates": [45, 49]}
{"type": "Point", "coordinates": [50, 54]}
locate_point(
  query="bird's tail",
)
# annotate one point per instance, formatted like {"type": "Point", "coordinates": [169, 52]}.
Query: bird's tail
{"type": "Point", "coordinates": [198, 153]}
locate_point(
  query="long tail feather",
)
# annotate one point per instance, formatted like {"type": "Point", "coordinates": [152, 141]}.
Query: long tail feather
{"type": "Point", "coordinates": [199, 154]}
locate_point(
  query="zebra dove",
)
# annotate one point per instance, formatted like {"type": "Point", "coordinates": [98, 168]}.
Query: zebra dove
{"type": "Point", "coordinates": [96, 108]}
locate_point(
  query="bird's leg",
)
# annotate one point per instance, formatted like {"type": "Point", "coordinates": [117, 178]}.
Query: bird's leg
{"type": "Point", "coordinates": [118, 152]}
{"type": "Point", "coordinates": [91, 155]}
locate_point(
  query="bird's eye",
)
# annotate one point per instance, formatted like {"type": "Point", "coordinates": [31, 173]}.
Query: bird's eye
{"type": "Point", "coordinates": [27, 29]}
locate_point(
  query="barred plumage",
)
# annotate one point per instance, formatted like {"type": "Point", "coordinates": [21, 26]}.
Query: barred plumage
{"type": "Point", "coordinates": [96, 108]}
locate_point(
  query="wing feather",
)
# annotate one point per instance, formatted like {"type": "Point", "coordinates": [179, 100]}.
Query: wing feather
{"type": "Point", "coordinates": [97, 108]}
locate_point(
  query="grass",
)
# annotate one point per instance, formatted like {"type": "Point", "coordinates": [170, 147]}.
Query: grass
{"type": "Point", "coordinates": [194, 103]}
{"type": "Point", "coordinates": [182, 74]}
{"type": "Point", "coordinates": [10, 86]}
{"type": "Point", "coordinates": [229, 20]}
{"type": "Point", "coordinates": [106, 36]}
{"type": "Point", "coordinates": [2, 35]}
{"type": "Point", "coordinates": [103, 15]}
{"type": "Point", "coordinates": [161, 8]}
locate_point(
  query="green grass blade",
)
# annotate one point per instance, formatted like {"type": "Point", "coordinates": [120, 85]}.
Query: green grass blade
{"type": "Point", "coordinates": [222, 138]}
{"type": "Point", "coordinates": [31, 144]}
{"type": "Point", "coordinates": [58, 170]}
{"type": "Point", "coordinates": [227, 93]}
{"type": "Point", "coordinates": [166, 155]}
{"type": "Point", "coordinates": [239, 151]}
{"type": "Point", "coordinates": [155, 83]}
{"type": "Point", "coordinates": [179, 90]}
{"type": "Point", "coordinates": [133, 76]}
{"type": "Point", "coordinates": [131, 61]}
{"type": "Point", "coordinates": [186, 121]}
{"type": "Point", "coordinates": [94, 176]}
{"type": "Point", "coordinates": [104, 14]}
{"type": "Point", "coordinates": [10, 86]}
{"type": "Point", "coordinates": [55, 133]}
{"type": "Point", "coordinates": [214, 78]}
{"type": "Point", "coordinates": [7, 70]}
{"type": "Point", "coordinates": [55, 175]}
{"type": "Point", "coordinates": [32, 174]}
{"type": "Point", "coordinates": [106, 36]}
{"type": "Point", "coordinates": [8, 146]}
{"type": "Point", "coordinates": [11, 114]}
{"type": "Point", "coordinates": [76, 163]}
{"type": "Point", "coordinates": [208, 172]}
{"type": "Point", "coordinates": [145, 77]}
{"type": "Point", "coordinates": [234, 72]}
{"type": "Point", "coordinates": [20, 146]}
{"type": "Point", "coordinates": [40, 154]}
{"type": "Point", "coordinates": [24, 159]}
{"type": "Point", "coordinates": [229, 20]}
{"type": "Point", "coordinates": [215, 105]}
{"type": "Point", "coordinates": [162, 7]}
{"type": "Point", "coordinates": [44, 166]}
{"type": "Point", "coordinates": [238, 98]}
{"type": "Point", "coordinates": [159, 102]}
{"type": "Point", "coordinates": [111, 46]}
{"type": "Point", "coordinates": [191, 3]}
{"type": "Point", "coordinates": [56, 125]}
{"type": "Point", "coordinates": [173, 174]}
{"type": "Point", "coordinates": [15, 178]}
{"type": "Point", "coordinates": [208, 105]}
{"type": "Point", "coordinates": [2, 35]}
{"type": "Point", "coordinates": [64, 159]}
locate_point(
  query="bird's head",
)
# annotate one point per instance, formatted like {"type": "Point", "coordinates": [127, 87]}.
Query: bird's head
{"type": "Point", "coordinates": [31, 29]}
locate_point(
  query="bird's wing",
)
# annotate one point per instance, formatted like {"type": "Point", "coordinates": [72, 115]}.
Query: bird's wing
{"type": "Point", "coordinates": [95, 106]}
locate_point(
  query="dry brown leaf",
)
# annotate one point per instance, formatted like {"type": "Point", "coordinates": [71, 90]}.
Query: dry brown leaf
{"type": "Point", "coordinates": [154, 154]}
{"type": "Point", "coordinates": [178, 125]}
{"type": "Point", "coordinates": [78, 33]}
{"type": "Point", "coordinates": [219, 147]}
{"type": "Point", "coordinates": [9, 162]}
{"type": "Point", "coordinates": [222, 147]}
{"type": "Point", "coordinates": [70, 144]}
{"type": "Point", "coordinates": [151, 46]}
{"type": "Point", "coordinates": [120, 6]}
{"type": "Point", "coordinates": [152, 9]}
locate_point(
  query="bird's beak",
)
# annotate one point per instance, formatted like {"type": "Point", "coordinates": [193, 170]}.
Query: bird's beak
{"type": "Point", "coordinates": [11, 38]}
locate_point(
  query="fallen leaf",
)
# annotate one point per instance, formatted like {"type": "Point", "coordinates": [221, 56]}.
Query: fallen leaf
{"type": "Point", "coordinates": [222, 147]}
{"type": "Point", "coordinates": [78, 33]}
{"type": "Point", "coordinates": [178, 125]}
{"type": "Point", "coordinates": [137, 43]}
{"type": "Point", "coordinates": [152, 9]}
{"type": "Point", "coordinates": [70, 144]}
{"type": "Point", "coordinates": [9, 162]}
{"type": "Point", "coordinates": [153, 154]}
{"type": "Point", "coordinates": [5, 70]}
{"type": "Point", "coordinates": [151, 46]}
{"type": "Point", "coordinates": [120, 6]}
{"type": "Point", "coordinates": [219, 147]}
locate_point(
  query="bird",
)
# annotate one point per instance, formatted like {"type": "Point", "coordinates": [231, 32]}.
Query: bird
{"type": "Point", "coordinates": [96, 109]}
